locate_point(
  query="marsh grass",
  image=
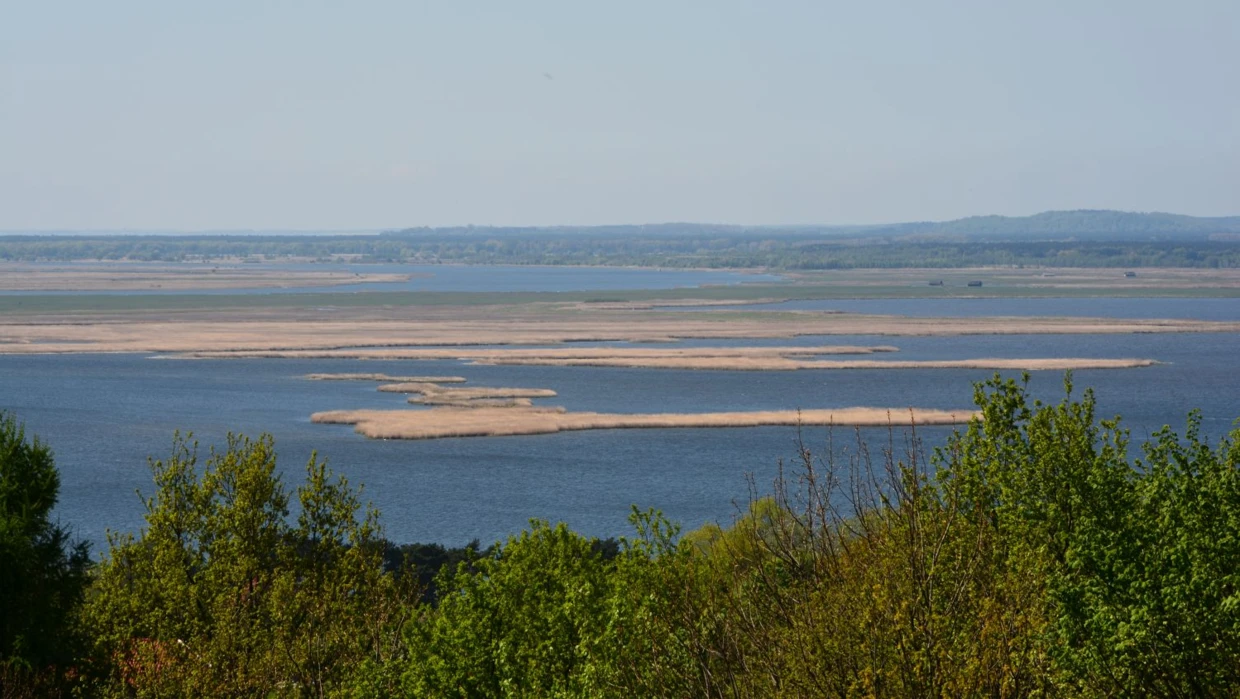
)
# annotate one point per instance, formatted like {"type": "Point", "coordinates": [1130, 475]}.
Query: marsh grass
{"type": "Point", "coordinates": [436, 332]}
{"type": "Point", "coordinates": [493, 422]}
{"type": "Point", "coordinates": [386, 377]}
{"type": "Point", "coordinates": [703, 358]}
{"type": "Point", "coordinates": [778, 363]}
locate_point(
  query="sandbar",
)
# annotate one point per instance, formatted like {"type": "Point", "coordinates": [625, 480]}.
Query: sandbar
{"type": "Point", "coordinates": [790, 358]}
{"type": "Point", "coordinates": [786, 364]}
{"type": "Point", "coordinates": [136, 276]}
{"type": "Point", "coordinates": [431, 394]}
{"type": "Point", "coordinates": [386, 377]}
{"type": "Point", "coordinates": [495, 422]}
{"type": "Point", "coordinates": [383, 332]}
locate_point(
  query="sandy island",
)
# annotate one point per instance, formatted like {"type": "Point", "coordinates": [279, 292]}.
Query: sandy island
{"type": "Point", "coordinates": [431, 394]}
{"type": "Point", "coordinates": [138, 276]}
{"type": "Point", "coordinates": [489, 412]}
{"type": "Point", "coordinates": [294, 322]}
{"type": "Point", "coordinates": [255, 331]}
{"type": "Point", "coordinates": [386, 377]}
{"type": "Point", "coordinates": [495, 422]}
{"type": "Point", "coordinates": [699, 358]}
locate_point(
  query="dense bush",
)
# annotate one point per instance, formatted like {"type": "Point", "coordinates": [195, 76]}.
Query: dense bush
{"type": "Point", "coordinates": [223, 595]}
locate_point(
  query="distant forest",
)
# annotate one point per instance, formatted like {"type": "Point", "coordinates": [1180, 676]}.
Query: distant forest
{"type": "Point", "coordinates": [1052, 239]}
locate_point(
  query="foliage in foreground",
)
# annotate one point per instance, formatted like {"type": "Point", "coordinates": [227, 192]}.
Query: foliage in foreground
{"type": "Point", "coordinates": [1028, 557]}
{"type": "Point", "coordinates": [42, 574]}
{"type": "Point", "coordinates": [223, 595]}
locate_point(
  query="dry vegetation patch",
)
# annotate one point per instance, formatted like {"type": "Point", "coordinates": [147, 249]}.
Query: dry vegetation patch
{"type": "Point", "coordinates": [781, 363]}
{"type": "Point", "coordinates": [697, 358]}
{"type": "Point", "coordinates": [430, 394]}
{"type": "Point", "coordinates": [494, 422]}
{"type": "Point", "coordinates": [136, 276]}
{"type": "Point", "coordinates": [683, 357]}
{"type": "Point", "coordinates": [331, 332]}
{"type": "Point", "coordinates": [385, 377]}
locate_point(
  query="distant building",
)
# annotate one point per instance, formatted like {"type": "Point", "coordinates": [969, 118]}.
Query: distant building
{"type": "Point", "coordinates": [975, 283]}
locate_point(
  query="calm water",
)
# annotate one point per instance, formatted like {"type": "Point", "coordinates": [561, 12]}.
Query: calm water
{"type": "Point", "coordinates": [105, 414]}
{"type": "Point", "coordinates": [494, 278]}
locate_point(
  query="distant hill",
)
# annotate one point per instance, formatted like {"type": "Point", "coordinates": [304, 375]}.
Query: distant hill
{"type": "Point", "coordinates": [1054, 238]}
{"type": "Point", "coordinates": [1086, 224]}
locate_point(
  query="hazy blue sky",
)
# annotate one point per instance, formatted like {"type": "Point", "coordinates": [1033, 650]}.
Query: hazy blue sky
{"type": "Point", "coordinates": [302, 114]}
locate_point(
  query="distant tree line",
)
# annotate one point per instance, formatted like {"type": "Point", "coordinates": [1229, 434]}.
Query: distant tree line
{"type": "Point", "coordinates": [783, 250]}
{"type": "Point", "coordinates": [1030, 556]}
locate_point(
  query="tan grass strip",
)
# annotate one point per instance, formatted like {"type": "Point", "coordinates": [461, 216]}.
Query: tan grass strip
{"type": "Point", "coordinates": [727, 359]}
{"type": "Point", "coordinates": [385, 377]}
{"type": "Point", "coordinates": [495, 422]}
{"type": "Point", "coordinates": [170, 277]}
{"type": "Point", "coordinates": [517, 355]}
{"type": "Point", "coordinates": [435, 395]}
{"type": "Point", "coordinates": [432, 394]}
{"type": "Point", "coordinates": [476, 402]}
{"type": "Point", "coordinates": [786, 364]}
{"type": "Point", "coordinates": [385, 332]}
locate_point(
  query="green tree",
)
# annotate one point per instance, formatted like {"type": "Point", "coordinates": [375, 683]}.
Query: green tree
{"type": "Point", "coordinates": [1148, 598]}
{"type": "Point", "coordinates": [1137, 563]}
{"type": "Point", "coordinates": [663, 633]}
{"type": "Point", "coordinates": [42, 574]}
{"type": "Point", "coordinates": [520, 623]}
{"type": "Point", "coordinates": [223, 595]}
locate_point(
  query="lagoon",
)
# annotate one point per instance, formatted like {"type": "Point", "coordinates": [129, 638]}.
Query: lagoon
{"type": "Point", "coordinates": [103, 415]}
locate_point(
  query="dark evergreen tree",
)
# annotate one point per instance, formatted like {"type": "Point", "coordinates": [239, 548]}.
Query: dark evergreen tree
{"type": "Point", "coordinates": [42, 572]}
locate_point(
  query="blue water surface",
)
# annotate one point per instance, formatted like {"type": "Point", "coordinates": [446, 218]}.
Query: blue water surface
{"type": "Point", "coordinates": [103, 415]}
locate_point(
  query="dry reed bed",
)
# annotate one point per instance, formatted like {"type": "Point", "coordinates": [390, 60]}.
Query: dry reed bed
{"type": "Point", "coordinates": [386, 377]}
{"type": "Point", "coordinates": [431, 394]}
{"type": "Point", "coordinates": [242, 332]}
{"type": "Point", "coordinates": [514, 355]}
{"type": "Point", "coordinates": [495, 422]}
{"type": "Point", "coordinates": [139, 276]}
{"type": "Point", "coordinates": [477, 402]}
{"type": "Point", "coordinates": [700, 358]}
{"type": "Point", "coordinates": [786, 364]}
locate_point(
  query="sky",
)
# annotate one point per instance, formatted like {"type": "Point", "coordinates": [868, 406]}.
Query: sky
{"type": "Point", "coordinates": [128, 115]}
